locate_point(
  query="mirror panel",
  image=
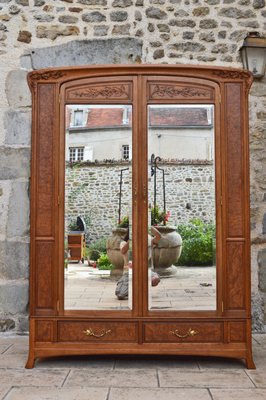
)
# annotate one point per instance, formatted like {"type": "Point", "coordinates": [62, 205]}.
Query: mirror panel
{"type": "Point", "coordinates": [181, 175]}
{"type": "Point", "coordinates": [98, 208]}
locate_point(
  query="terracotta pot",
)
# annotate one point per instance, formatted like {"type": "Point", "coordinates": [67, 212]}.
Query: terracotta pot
{"type": "Point", "coordinates": [114, 252]}
{"type": "Point", "coordinates": [167, 251]}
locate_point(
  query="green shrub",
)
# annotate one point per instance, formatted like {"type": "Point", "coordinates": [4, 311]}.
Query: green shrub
{"type": "Point", "coordinates": [198, 243]}
{"type": "Point", "coordinates": [103, 262]}
{"type": "Point", "coordinates": [96, 249]}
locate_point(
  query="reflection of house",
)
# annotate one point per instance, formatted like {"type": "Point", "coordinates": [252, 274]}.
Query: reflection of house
{"type": "Point", "coordinates": [98, 132]}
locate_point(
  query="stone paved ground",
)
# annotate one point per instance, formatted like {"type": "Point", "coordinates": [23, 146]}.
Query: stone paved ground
{"type": "Point", "coordinates": [192, 288]}
{"type": "Point", "coordinates": [129, 378]}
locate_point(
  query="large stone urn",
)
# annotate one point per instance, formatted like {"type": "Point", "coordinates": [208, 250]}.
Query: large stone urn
{"type": "Point", "coordinates": [114, 252]}
{"type": "Point", "coordinates": [167, 251]}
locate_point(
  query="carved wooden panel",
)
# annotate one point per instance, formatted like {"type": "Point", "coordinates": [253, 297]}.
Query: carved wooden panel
{"type": "Point", "coordinates": [235, 275]}
{"type": "Point", "coordinates": [44, 284]}
{"type": "Point", "coordinates": [45, 161]}
{"type": "Point", "coordinates": [234, 161]}
{"type": "Point", "coordinates": [107, 91]}
{"type": "Point", "coordinates": [173, 91]}
{"type": "Point", "coordinates": [181, 332]}
{"type": "Point", "coordinates": [44, 331]}
{"type": "Point", "coordinates": [97, 331]}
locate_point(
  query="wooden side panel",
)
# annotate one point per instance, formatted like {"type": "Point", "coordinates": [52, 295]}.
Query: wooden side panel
{"type": "Point", "coordinates": [44, 201]}
{"type": "Point", "coordinates": [237, 331]}
{"type": "Point", "coordinates": [44, 285]}
{"type": "Point", "coordinates": [235, 276]}
{"type": "Point", "coordinates": [44, 331]}
{"type": "Point", "coordinates": [234, 161]}
{"type": "Point", "coordinates": [45, 165]}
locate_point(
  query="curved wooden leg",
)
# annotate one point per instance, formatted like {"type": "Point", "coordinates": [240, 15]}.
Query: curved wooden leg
{"type": "Point", "coordinates": [31, 360]}
{"type": "Point", "coordinates": [249, 362]}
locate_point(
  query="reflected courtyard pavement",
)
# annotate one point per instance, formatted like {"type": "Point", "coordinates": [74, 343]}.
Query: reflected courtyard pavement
{"type": "Point", "coordinates": [192, 288]}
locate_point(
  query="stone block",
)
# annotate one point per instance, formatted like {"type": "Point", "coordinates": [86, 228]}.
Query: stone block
{"type": "Point", "coordinates": [14, 163]}
{"type": "Point", "coordinates": [14, 260]}
{"type": "Point", "coordinates": [18, 128]}
{"type": "Point", "coordinates": [100, 30]}
{"type": "Point", "coordinates": [122, 3]}
{"type": "Point", "coordinates": [262, 269]}
{"type": "Point", "coordinates": [17, 90]}
{"type": "Point", "coordinates": [156, 13]}
{"type": "Point", "coordinates": [53, 31]}
{"type": "Point", "coordinates": [18, 210]}
{"type": "Point", "coordinates": [85, 52]}
{"type": "Point", "coordinates": [94, 16]}
{"type": "Point", "coordinates": [14, 297]}
{"type": "Point", "coordinates": [24, 37]}
{"type": "Point", "coordinates": [257, 307]}
{"type": "Point", "coordinates": [5, 190]}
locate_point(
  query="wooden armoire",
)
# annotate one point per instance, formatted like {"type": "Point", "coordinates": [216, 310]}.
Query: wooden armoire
{"type": "Point", "coordinates": [193, 120]}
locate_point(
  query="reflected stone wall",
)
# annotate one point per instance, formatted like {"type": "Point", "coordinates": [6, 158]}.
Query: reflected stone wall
{"type": "Point", "coordinates": [93, 193]}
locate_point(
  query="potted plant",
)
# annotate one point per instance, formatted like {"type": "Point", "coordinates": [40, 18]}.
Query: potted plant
{"type": "Point", "coordinates": [167, 245]}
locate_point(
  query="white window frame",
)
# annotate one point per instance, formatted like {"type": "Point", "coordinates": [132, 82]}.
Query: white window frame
{"type": "Point", "coordinates": [76, 154]}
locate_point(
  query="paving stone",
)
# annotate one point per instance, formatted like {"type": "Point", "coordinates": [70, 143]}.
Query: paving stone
{"type": "Point", "coordinates": [18, 348]}
{"type": "Point", "coordinates": [4, 347]}
{"type": "Point", "coordinates": [13, 360]}
{"type": "Point", "coordinates": [260, 338]}
{"type": "Point", "coordinates": [204, 378]}
{"type": "Point", "coordinates": [22, 377]}
{"type": "Point", "coordinates": [117, 378]}
{"type": "Point", "coordinates": [158, 394]}
{"type": "Point", "coordinates": [236, 394]}
{"type": "Point", "coordinates": [84, 52]}
{"type": "Point", "coordinates": [4, 389]}
{"type": "Point", "coordinates": [57, 393]}
{"type": "Point", "coordinates": [258, 377]}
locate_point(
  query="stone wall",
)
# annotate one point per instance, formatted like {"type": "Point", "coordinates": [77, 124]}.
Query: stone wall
{"type": "Point", "coordinates": [93, 193]}
{"type": "Point", "coordinates": [42, 33]}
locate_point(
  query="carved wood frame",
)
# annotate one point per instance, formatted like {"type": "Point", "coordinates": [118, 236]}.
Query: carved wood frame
{"type": "Point", "coordinates": [225, 87]}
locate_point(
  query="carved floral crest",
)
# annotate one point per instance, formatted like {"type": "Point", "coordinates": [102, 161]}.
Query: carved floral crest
{"type": "Point", "coordinates": [177, 91]}
{"type": "Point", "coordinates": [103, 92]}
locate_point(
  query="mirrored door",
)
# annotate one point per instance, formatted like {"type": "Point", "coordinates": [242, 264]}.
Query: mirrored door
{"type": "Point", "coordinates": [98, 207]}
{"type": "Point", "coordinates": [181, 223]}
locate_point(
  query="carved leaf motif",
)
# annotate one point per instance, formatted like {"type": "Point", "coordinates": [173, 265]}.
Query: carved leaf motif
{"type": "Point", "coordinates": [105, 92]}
{"type": "Point", "coordinates": [172, 91]}
{"type": "Point", "coordinates": [232, 74]}
{"type": "Point", "coordinates": [47, 75]}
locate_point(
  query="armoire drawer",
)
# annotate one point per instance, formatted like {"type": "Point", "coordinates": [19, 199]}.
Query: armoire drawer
{"type": "Point", "coordinates": [97, 331]}
{"type": "Point", "coordinates": [183, 332]}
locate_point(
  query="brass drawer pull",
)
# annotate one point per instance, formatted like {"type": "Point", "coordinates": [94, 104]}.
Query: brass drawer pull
{"type": "Point", "coordinates": [190, 332]}
{"type": "Point", "coordinates": [89, 332]}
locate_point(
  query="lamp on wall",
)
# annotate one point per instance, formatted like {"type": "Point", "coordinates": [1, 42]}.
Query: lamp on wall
{"type": "Point", "coordinates": [253, 54]}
